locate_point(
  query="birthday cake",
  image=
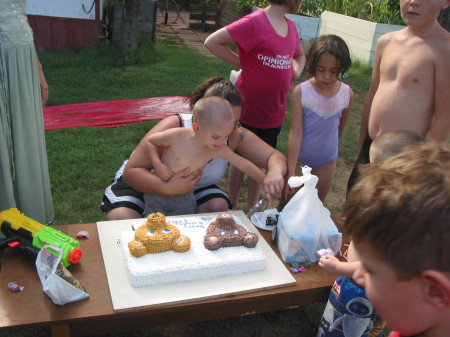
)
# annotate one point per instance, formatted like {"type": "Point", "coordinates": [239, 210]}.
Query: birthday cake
{"type": "Point", "coordinates": [157, 268]}
{"type": "Point", "coordinates": [158, 236]}
{"type": "Point", "coordinates": [224, 231]}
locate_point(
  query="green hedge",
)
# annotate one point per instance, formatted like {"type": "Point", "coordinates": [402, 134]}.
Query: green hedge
{"type": "Point", "coordinates": [380, 11]}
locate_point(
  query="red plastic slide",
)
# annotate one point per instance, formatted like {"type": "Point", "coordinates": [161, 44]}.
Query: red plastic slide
{"type": "Point", "coordinates": [113, 113]}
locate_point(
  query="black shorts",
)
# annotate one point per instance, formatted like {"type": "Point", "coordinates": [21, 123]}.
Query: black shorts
{"type": "Point", "coordinates": [270, 136]}
{"type": "Point", "coordinates": [120, 194]}
{"type": "Point", "coordinates": [363, 158]}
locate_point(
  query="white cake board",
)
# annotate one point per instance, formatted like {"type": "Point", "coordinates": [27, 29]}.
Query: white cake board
{"type": "Point", "coordinates": [124, 296]}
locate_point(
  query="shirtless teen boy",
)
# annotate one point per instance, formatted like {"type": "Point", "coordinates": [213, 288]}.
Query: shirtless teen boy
{"type": "Point", "coordinates": [410, 80]}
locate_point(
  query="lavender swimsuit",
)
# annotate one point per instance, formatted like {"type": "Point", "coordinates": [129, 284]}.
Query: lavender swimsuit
{"type": "Point", "coordinates": [321, 117]}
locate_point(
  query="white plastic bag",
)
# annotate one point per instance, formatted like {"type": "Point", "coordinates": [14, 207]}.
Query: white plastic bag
{"type": "Point", "coordinates": [304, 224]}
{"type": "Point", "coordinates": [57, 282]}
{"type": "Point", "coordinates": [234, 74]}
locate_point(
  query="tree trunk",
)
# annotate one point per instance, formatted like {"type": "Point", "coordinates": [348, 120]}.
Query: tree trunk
{"type": "Point", "coordinates": [444, 18]}
{"type": "Point", "coordinates": [125, 23]}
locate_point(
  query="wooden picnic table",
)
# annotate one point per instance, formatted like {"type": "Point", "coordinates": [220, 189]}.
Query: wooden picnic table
{"type": "Point", "coordinates": [33, 308]}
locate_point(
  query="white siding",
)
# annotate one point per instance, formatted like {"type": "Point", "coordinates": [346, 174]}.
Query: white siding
{"type": "Point", "coordinates": [63, 8]}
{"type": "Point", "coordinates": [361, 36]}
{"type": "Point", "coordinates": [308, 28]}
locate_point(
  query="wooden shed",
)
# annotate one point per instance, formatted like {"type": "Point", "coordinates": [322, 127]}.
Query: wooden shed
{"type": "Point", "coordinates": [65, 24]}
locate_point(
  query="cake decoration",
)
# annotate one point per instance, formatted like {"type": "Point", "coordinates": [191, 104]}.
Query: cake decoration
{"type": "Point", "coordinates": [225, 232]}
{"type": "Point", "coordinates": [198, 263]}
{"type": "Point", "coordinates": [158, 236]}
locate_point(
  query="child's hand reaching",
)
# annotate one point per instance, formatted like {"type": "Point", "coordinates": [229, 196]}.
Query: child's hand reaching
{"type": "Point", "coordinates": [164, 172]}
{"type": "Point", "coordinates": [330, 263]}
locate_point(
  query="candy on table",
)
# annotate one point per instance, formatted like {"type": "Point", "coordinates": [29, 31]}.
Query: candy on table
{"type": "Point", "coordinates": [299, 269]}
{"type": "Point", "coordinates": [83, 235]}
{"type": "Point", "coordinates": [14, 287]}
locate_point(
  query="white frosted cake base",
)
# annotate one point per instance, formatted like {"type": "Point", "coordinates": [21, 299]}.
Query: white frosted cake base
{"type": "Point", "coordinates": [198, 263]}
{"type": "Point", "coordinates": [126, 297]}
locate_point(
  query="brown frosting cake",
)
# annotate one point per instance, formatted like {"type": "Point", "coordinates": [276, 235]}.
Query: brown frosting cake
{"type": "Point", "coordinates": [225, 232]}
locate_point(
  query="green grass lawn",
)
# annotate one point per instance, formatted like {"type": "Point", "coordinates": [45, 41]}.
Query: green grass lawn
{"type": "Point", "coordinates": [83, 160]}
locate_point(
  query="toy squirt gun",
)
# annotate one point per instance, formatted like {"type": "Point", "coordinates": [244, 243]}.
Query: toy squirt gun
{"type": "Point", "coordinates": [30, 236]}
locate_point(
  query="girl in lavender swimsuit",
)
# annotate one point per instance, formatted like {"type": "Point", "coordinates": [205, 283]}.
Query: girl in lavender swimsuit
{"type": "Point", "coordinates": [319, 111]}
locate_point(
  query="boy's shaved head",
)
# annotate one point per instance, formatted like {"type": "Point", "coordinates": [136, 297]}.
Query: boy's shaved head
{"type": "Point", "coordinates": [393, 143]}
{"type": "Point", "coordinates": [212, 109]}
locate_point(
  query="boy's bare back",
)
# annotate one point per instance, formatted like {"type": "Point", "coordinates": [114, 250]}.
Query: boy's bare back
{"type": "Point", "coordinates": [413, 84]}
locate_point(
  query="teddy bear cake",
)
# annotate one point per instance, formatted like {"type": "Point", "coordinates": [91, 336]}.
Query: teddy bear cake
{"type": "Point", "coordinates": [225, 232]}
{"type": "Point", "coordinates": [158, 236]}
{"type": "Point", "coordinates": [179, 249]}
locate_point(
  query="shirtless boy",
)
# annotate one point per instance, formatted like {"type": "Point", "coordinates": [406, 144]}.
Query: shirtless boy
{"type": "Point", "coordinates": [194, 147]}
{"type": "Point", "coordinates": [410, 86]}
